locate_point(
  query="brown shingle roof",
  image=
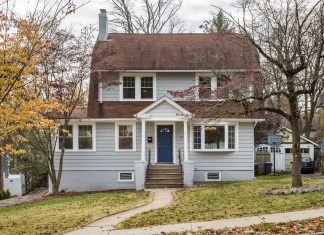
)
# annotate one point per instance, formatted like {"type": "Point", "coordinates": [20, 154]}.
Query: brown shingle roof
{"type": "Point", "coordinates": [127, 109]}
{"type": "Point", "coordinates": [174, 52]}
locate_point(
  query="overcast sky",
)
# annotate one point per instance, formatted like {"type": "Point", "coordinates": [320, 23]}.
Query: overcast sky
{"type": "Point", "coordinates": [193, 12]}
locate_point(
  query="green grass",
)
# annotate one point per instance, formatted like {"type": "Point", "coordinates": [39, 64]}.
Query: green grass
{"type": "Point", "coordinates": [228, 200]}
{"type": "Point", "coordinates": [59, 215]}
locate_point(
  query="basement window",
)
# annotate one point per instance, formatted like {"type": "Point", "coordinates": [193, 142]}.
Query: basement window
{"type": "Point", "coordinates": [213, 176]}
{"type": "Point", "coordinates": [125, 176]}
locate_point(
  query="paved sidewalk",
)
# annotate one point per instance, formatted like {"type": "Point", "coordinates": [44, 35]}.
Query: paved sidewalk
{"type": "Point", "coordinates": [161, 197]}
{"type": "Point", "coordinates": [226, 223]}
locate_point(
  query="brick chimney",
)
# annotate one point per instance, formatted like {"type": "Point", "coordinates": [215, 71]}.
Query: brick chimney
{"type": "Point", "coordinates": [103, 29]}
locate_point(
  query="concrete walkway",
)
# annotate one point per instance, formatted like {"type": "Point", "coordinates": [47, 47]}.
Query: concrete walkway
{"type": "Point", "coordinates": [161, 197]}
{"type": "Point", "coordinates": [226, 223]}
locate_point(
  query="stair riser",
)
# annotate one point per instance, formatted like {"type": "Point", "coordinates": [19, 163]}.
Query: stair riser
{"type": "Point", "coordinates": [164, 181]}
{"type": "Point", "coordinates": [165, 166]}
{"type": "Point", "coordinates": [163, 186]}
{"type": "Point", "coordinates": [164, 176]}
{"type": "Point", "coordinates": [165, 171]}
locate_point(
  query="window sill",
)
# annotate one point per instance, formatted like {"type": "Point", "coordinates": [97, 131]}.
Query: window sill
{"type": "Point", "coordinates": [214, 150]}
{"type": "Point", "coordinates": [76, 150]}
{"type": "Point", "coordinates": [138, 100]}
{"type": "Point", "coordinates": [125, 150]}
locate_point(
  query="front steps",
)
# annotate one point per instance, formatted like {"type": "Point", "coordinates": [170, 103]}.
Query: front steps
{"type": "Point", "coordinates": [164, 176]}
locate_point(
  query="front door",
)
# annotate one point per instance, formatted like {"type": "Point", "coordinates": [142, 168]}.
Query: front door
{"type": "Point", "coordinates": [165, 144]}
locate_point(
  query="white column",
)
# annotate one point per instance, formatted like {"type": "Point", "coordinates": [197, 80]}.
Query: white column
{"type": "Point", "coordinates": [143, 140]}
{"type": "Point", "coordinates": [185, 140]}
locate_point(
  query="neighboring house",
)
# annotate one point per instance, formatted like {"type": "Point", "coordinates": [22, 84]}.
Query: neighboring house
{"type": "Point", "coordinates": [283, 153]}
{"type": "Point", "coordinates": [137, 135]}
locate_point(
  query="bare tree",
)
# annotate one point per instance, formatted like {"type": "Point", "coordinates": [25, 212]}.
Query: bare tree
{"type": "Point", "coordinates": [283, 32]}
{"type": "Point", "coordinates": [65, 71]}
{"type": "Point", "coordinates": [149, 16]}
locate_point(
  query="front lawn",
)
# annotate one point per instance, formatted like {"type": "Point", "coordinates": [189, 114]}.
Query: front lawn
{"type": "Point", "coordinates": [221, 200]}
{"type": "Point", "coordinates": [62, 214]}
{"type": "Point", "coordinates": [310, 226]}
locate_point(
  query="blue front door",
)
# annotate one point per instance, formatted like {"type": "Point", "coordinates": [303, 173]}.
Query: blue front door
{"type": "Point", "coordinates": [165, 144]}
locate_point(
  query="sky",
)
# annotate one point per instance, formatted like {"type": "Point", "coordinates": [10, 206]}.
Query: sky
{"type": "Point", "coordinates": [193, 12]}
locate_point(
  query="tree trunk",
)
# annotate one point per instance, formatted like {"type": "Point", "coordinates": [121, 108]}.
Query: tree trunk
{"type": "Point", "coordinates": [296, 169]}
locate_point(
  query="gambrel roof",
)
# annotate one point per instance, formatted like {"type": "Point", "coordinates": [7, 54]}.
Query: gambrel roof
{"type": "Point", "coordinates": [174, 52]}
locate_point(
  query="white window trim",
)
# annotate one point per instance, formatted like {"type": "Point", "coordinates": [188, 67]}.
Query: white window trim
{"type": "Point", "coordinates": [226, 149]}
{"type": "Point", "coordinates": [138, 77]}
{"type": "Point", "coordinates": [213, 83]}
{"type": "Point", "coordinates": [75, 136]}
{"type": "Point", "coordinates": [131, 180]}
{"type": "Point", "coordinates": [117, 124]}
{"type": "Point", "coordinates": [219, 172]}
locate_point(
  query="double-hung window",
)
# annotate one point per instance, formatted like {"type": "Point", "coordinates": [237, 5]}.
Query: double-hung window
{"type": "Point", "coordinates": [147, 87]}
{"type": "Point", "coordinates": [85, 137]}
{"type": "Point", "coordinates": [78, 137]}
{"type": "Point", "coordinates": [68, 134]}
{"type": "Point", "coordinates": [208, 85]}
{"type": "Point", "coordinates": [214, 137]}
{"type": "Point", "coordinates": [129, 87]}
{"type": "Point", "coordinates": [125, 137]}
{"type": "Point", "coordinates": [138, 87]}
{"type": "Point", "coordinates": [205, 87]}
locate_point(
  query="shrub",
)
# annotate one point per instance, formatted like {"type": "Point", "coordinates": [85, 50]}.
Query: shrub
{"type": "Point", "coordinates": [4, 194]}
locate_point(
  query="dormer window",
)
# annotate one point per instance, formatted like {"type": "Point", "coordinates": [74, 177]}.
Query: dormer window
{"type": "Point", "coordinates": [137, 87]}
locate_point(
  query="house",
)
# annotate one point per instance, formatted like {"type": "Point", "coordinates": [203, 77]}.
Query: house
{"type": "Point", "coordinates": [283, 153]}
{"type": "Point", "coordinates": [135, 134]}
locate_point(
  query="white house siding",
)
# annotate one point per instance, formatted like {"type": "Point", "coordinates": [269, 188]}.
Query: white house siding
{"type": "Point", "coordinates": [164, 83]}
{"type": "Point", "coordinates": [98, 170]}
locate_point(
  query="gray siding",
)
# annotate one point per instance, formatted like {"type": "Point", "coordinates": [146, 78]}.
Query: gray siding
{"type": "Point", "coordinates": [164, 83]}
{"type": "Point", "coordinates": [97, 180]}
{"type": "Point", "coordinates": [238, 165]}
{"type": "Point", "coordinates": [105, 157]}
{"type": "Point", "coordinates": [98, 170]}
{"type": "Point", "coordinates": [174, 82]}
{"type": "Point", "coordinates": [110, 93]}
{"type": "Point", "coordinates": [164, 110]}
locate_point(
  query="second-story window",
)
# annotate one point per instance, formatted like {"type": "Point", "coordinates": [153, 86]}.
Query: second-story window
{"type": "Point", "coordinates": [137, 86]}
{"type": "Point", "coordinates": [129, 87]}
{"type": "Point", "coordinates": [204, 87]}
{"type": "Point", "coordinates": [147, 87]}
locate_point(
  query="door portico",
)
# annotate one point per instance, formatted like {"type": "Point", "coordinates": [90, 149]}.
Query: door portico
{"type": "Point", "coordinates": [164, 113]}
